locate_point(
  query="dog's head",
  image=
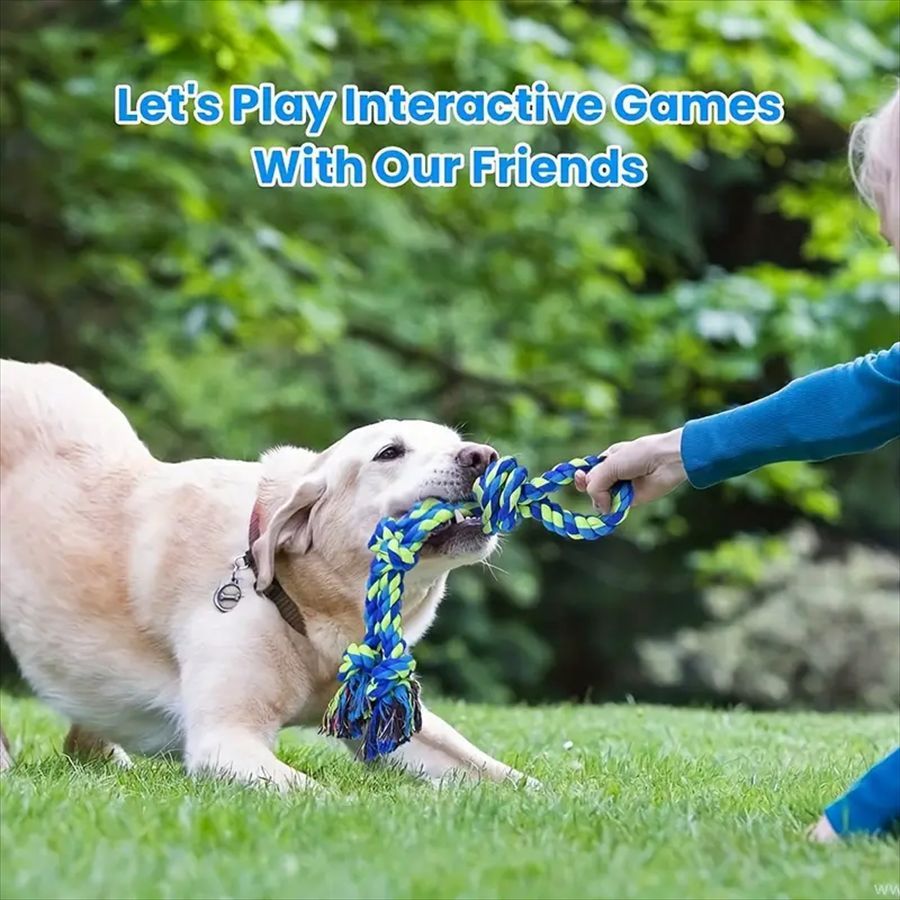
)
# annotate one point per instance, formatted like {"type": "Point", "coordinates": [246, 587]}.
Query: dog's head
{"type": "Point", "coordinates": [326, 505]}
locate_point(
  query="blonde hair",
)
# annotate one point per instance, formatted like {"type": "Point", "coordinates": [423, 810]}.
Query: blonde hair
{"type": "Point", "coordinates": [875, 165]}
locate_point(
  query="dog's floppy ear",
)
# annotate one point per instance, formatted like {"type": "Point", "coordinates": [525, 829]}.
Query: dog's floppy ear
{"type": "Point", "coordinates": [286, 526]}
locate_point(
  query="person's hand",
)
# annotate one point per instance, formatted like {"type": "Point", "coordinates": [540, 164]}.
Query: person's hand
{"type": "Point", "coordinates": [653, 463]}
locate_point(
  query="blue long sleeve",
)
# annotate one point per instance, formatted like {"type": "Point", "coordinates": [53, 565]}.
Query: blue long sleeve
{"type": "Point", "coordinates": [845, 409]}
{"type": "Point", "coordinates": [872, 805]}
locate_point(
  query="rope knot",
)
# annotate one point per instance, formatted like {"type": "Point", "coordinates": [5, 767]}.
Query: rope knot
{"type": "Point", "coordinates": [388, 673]}
{"type": "Point", "coordinates": [498, 492]}
{"type": "Point", "coordinates": [390, 547]}
{"type": "Point", "coordinates": [357, 659]}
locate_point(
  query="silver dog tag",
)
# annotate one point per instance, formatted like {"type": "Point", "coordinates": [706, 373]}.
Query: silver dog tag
{"type": "Point", "coordinates": [226, 597]}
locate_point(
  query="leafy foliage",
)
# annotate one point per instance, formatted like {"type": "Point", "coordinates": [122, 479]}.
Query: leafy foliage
{"type": "Point", "coordinates": [792, 638]}
{"type": "Point", "coordinates": [225, 318]}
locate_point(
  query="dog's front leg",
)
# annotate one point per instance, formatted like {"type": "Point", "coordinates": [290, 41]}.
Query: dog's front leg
{"type": "Point", "coordinates": [237, 753]}
{"type": "Point", "coordinates": [235, 699]}
{"type": "Point", "coordinates": [440, 752]}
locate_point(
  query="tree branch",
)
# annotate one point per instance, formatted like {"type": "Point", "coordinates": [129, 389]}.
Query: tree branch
{"type": "Point", "coordinates": [412, 351]}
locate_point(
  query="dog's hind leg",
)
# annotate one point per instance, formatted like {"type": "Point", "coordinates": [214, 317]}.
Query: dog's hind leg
{"type": "Point", "coordinates": [86, 747]}
{"type": "Point", "coordinates": [6, 759]}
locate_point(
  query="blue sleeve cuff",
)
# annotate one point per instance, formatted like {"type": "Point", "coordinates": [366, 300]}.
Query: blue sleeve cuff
{"type": "Point", "coordinates": [697, 454]}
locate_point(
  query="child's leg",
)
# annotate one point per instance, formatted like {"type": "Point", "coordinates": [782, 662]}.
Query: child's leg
{"type": "Point", "coordinates": [871, 806]}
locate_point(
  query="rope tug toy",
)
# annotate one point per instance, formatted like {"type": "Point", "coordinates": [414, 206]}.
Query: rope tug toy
{"type": "Point", "coordinates": [378, 697]}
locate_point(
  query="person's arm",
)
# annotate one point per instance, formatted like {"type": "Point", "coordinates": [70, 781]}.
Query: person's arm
{"type": "Point", "coordinates": [845, 409]}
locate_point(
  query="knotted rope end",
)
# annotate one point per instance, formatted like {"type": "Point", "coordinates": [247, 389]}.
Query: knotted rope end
{"type": "Point", "coordinates": [348, 710]}
{"type": "Point", "coordinates": [394, 719]}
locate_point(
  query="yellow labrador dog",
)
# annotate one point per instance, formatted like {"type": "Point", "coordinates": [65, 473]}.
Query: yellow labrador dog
{"type": "Point", "coordinates": [111, 561]}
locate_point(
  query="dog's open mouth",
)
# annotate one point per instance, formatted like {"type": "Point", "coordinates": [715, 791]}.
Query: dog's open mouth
{"type": "Point", "coordinates": [464, 534]}
{"type": "Point", "coordinates": [460, 525]}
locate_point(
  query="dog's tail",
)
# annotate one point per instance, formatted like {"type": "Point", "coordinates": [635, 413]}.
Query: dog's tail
{"type": "Point", "coordinates": [48, 409]}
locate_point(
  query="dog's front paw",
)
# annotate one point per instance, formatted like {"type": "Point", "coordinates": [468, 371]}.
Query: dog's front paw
{"type": "Point", "coordinates": [271, 774]}
{"type": "Point", "coordinates": [245, 760]}
{"type": "Point", "coordinates": [520, 779]}
{"type": "Point", "coordinates": [464, 776]}
{"type": "Point", "coordinates": [284, 778]}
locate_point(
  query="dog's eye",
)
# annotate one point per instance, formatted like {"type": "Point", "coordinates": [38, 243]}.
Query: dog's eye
{"type": "Point", "coordinates": [392, 451]}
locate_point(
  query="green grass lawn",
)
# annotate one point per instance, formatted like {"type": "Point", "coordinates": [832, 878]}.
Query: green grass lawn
{"type": "Point", "coordinates": [644, 802]}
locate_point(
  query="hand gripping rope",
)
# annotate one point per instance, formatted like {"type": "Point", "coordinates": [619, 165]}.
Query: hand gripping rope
{"type": "Point", "coordinates": [378, 697]}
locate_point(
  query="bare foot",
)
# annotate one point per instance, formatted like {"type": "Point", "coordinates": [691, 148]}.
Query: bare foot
{"type": "Point", "coordinates": [822, 832]}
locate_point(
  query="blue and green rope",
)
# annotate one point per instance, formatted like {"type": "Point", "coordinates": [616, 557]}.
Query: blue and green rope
{"type": "Point", "coordinates": [378, 698]}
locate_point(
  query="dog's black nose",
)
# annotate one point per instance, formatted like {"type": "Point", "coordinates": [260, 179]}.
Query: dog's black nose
{"type": "Point", "coordinates": [476, 456]}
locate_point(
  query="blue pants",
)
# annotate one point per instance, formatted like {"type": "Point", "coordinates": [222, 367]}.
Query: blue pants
{"type": "Point", "coordinates": [872, 805]}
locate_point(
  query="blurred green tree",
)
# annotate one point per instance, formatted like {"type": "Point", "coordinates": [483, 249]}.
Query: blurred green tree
{"type": "Point", "coordinates": [224, 318]}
